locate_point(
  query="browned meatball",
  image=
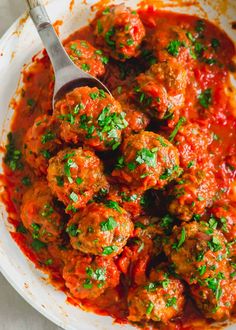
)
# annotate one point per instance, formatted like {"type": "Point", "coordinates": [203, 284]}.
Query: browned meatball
{"type": "Point", "coordinates": [86, 57]}
{"type": "Point", "coordinates": [74, 175]}
{"type": "Point", "coordinates": [159, 300]}
{"type": "Point", "coordinates": [148, 161]}
{"type": "Point", "coordinates": [119, 31]}
{"type": "Point", "coordinates": [38, 213]}
{"type": "Point", "coordinates": [88, 277]}
{"type": "Point", "coordinates": [215, 297]}
{"type": "Point", "coordinates": [192, 142]}
{"type": "Point", "coordinates": [198, 252]}
{"type": "Point", "coordinates": [41, 142]}
{"type": "Point", "coordinates": [161, 90]}
{"type": "Point", "coordinates": [191, 194]}
{"type": "Point", "coordinates": [92, 117]}
{"type": "Point", "coordinates": [100, 229]}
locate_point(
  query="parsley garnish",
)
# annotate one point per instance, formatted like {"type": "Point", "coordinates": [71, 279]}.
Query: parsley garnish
{"type": "Point", "coordinates": [171, 302]}
{"type": "Point", "coordinates": [146, 156]}
{"type": "Point", "coordinates": [181, 241]}
{"type": "Point", "coordinates": [13, 156]}
{"type": "Point", "coordinates": [109, 250]}
{"type": "Point", "coordinates": [109, 224]}
{"type": "Point", "coordinates": [73, 230]}
{"type": "Point", "coordinates": [173, 47]}
{"type": "Point", "coordinates": [181, 121]}
{"type": "Point", "coordinates": [205, 98]}
{"type": "Point", "coordinates": [113, 205]}
{"type": "Point", "coordinates": [49, 136]}
{"type": "Point", "coordinates": [149, 308]}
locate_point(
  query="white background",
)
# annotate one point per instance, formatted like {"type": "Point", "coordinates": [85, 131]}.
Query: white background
{"type": "Point", "coordinates": [15, 313]}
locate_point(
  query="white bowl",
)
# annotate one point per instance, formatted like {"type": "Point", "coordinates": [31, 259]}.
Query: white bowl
{"type": "Point", "coordinates": [17, 47]}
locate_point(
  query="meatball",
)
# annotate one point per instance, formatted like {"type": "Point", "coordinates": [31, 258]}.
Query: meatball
{"type": "Point", "coordinates": [161, 90]}
{"type": "Point", "coordinates": [225, 214]}
{"type": "Point", "coordinates": [191, 194]}
{"type": "Point", "coordinates": [38, 213]}
{"type": "Point", "coordinates": [88, 277]}
{"type": "Point", "coordinates": [198, 252]}
{"type": "Point", "coordinates": [215, 297]}
{"type": "Point", "coordinates": [100, 229]}
{"type": "Point", "coordinates": [92, 117]}
{"type": "Point", "coordinates": [74, 175]}
{"type": "Point", "coordinates": [160, 299]}
{"type": "Point", "coordinates": [192, 142]}
{"type": "Point", "coordinates": [119, 31]}
{"type": "Point", "coordinates": [148, 161]}
{"type": "Point", "coordinates": [86, 57]}
{"type": "Point", "coordinates": [41, 142]}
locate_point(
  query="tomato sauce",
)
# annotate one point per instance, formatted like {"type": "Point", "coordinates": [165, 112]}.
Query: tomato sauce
{"type": "Point", "coordinates": [205, 55]}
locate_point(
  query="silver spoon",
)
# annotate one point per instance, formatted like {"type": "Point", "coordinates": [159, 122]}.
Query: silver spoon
{"type": "Point", "coordinates": [67, 75]}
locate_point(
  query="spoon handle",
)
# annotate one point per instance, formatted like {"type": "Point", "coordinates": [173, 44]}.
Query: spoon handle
{"type": "Point", "coordinates": [51, 42]}
{"type": "Point", "coordinates": [33, 3]}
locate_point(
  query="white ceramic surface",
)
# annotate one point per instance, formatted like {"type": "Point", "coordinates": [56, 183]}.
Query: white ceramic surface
{"type": "Point", "coordinates": [16, 49]}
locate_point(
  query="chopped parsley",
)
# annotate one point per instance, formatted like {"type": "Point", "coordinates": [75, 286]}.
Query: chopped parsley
{"type": "Point", "coordinates": [214, 244]}
{"type": "Point", "coordinates": [74, 197]}
{"type": "Point", "coordinates": [98, 274]}
{"type": "Point", "coordinates": [13, 155]}
{"type": "Point", "coordinates": [181, 121]}
{"type": "Point", "coordinates": [26, 181]}
{"type": "Point", "coordinates": [202, 270]}
{"type": "Point", "coordinates": [113, 205]}
{"type": "Point", "coordinates": [109, 224]}
{"type": "Point", "coordinates": [109, 250]}
{"type": "Point", "coordinates": [215, 43]}
{"type": "Point", "coordinates": [149, 308]}
{"type": "Point", "coordinates": [109, 34]}
{"type": "Point", "coordinates": [200, 26]}
{"type": "Point", "coordinates": [85, 66]}
{"type": "Point", "coordinates": [49, 136]}
{"type": "Point", "coordinates": [73, 230]}
{"type": "Point", "coordinates": [37, 245]}
{"type": "Point", "coordinates": [31, 102]}
{"type": "Point", "coordinates": [181, 241]}
{"type": "Point", "coordinates": [168, 172]}
{"type": "Point", "coordinates": [174, 46]}
{"type": "Point", "coordinates": [205, 98]}
{"type": "Point", "coordinates": [171, 302]}
{"type": "Point", "coordinates": [146, 156]}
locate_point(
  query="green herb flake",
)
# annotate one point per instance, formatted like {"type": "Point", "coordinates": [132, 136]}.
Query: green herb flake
{"type": "Point", "coordinates": [174, 46]}
{"type": "Point", "coordinates": [13, 156]}
{"type": "Point", "coordinates": [109, 224]}
{"type": "Point", "coordinates": [60, 181]}
{"type": "Point", "coordinates": [146, 156]}
{"type": "Point", "coordinates": [109, 250]}
{"type": "Point", "coordinates": [74, 197]}
{"type": "Point", "coordinates": [31, 102]}
{"type": "Point", "coordinates": [181, 241]}
{"type": "Point", "coordinates": [37, 245]}
{"type": "Point", "coordinates": [26, 181]}
{"type": "Point", "coordinates": [85, 67]}
{"type": "Point", "coordinates": [205, 98]}
{"type": "Point", "coordinates": [215, 43]}
{"type": "Point", "coordinates": [73, 230]}
{"type": "Point", "coordinates": [171, 302]}
{"type": "Point", "coordinates": [113, 205]}
{"type": "Point", "coordinates": [49, 136]}
{"type": "Point", "coordinates": [21, 229]}
{"type": "Point", "coordinates": [149, 308]}
{"type": "Point", "coordinates": [181, 121]}
{"type": "Point", "coordinates": [202, 270]}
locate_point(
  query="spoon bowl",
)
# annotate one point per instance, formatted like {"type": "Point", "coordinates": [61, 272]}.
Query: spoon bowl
{"type": "Point", "coordinates": [67, 75]}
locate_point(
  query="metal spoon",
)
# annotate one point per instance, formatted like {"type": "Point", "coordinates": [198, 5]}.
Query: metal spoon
{"type": "Point", "coordinates": [67, 75]}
